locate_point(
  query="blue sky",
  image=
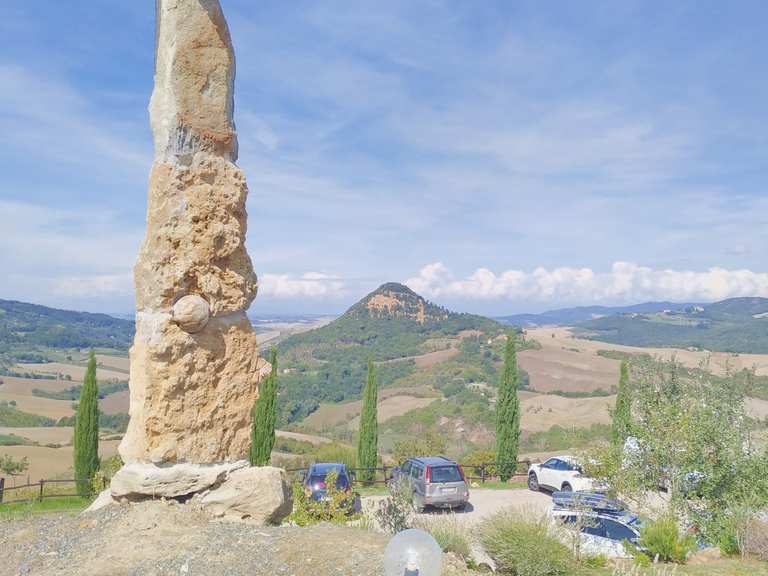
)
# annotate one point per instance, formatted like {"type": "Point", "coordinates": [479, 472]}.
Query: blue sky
{"type": "Point", "coordinates": [497, 156]}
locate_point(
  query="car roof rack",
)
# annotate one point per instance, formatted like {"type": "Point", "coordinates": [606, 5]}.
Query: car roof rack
{"type": "Point", "coordinates": [594, 501]}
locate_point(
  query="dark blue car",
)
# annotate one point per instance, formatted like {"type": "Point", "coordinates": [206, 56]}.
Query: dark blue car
{"type": "Point", "coordinates": [314, 479]}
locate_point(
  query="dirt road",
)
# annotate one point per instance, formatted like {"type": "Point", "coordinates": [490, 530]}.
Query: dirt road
{"type": "Point", "coordinates": [484, 502]}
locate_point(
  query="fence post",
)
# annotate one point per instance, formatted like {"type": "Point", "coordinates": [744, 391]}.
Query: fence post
{"type": "Point", "coordinates": [2, 487]}
{"type": "Point", "coordinates": [482, 473]}
{"type": "Point", "coordinates": [42, 483]}
{"type": "Point", "coordinates": [384, 468]}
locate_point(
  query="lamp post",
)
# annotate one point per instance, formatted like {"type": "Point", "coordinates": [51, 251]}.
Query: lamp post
{"type": "Point", "coordinates": [413, 553]}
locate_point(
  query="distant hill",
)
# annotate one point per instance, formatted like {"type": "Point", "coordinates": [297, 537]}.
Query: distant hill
{"type": "Point", "coordinates": [578, 314]}
{"type": "Point", "coordinates": [28, 326]}
{"type": "Point", "coordinates": [390, 322]}
{"type": "Point", "coordinates": [738, 325]}
{"type": "Point", "coordinates": [390, 325]}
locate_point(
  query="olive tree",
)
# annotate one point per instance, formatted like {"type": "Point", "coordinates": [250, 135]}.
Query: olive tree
{"type": "Point", "coordinates": [692, 438]}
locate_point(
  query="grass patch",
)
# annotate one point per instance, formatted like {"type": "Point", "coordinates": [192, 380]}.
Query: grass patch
{"type": "Point", "coordinates": [16, 510]}
{"type": "Point", "coordinates": [451, 533]}
{"type": "Point", "coordinates": [559, 438]}
{"type": "Point", "coordinates": [13, 440]}
{"type": "Point", "coordinates": [11, 417]}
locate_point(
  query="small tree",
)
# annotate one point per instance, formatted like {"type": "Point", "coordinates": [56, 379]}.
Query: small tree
{"type": "Point", "coordinates": [13, 467]}
{"type": "Point", "coordinates": [86, 438]}
{"type": "Point", "coordinates": [427, 444]}
{"type": "Point", "coordinates": [622, 412]}
{"type": "Point", "coordinates": [264, 417]}
{"type": "Point", "coordinates": [508, 414]}
{"type": "Point", "coordinates": [368, 441]}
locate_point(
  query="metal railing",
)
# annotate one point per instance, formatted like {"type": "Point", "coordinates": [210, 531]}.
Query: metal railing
{"type": "Point", "coordinates": [483, 472]}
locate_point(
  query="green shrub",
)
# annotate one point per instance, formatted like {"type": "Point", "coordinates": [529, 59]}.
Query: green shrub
{"type": "Point", "coordinates": [395, 513]}
{"type": "Point", "coordinates": [641, 560]}
{"type": "Point", "coordinates": [523, 544]}
{"type": "Point", "coordinates": [475, 459]}
{"type": "Point", "coordinates": [449, 532]}
{"type": "Point", "coordinates": [661, 540]}
{"type": "Point", "coordinates": [598, 561]}
{"type": "Point", "coordinates": [338, 508]}
{"type": "Point", "coordinates": [337, 453]}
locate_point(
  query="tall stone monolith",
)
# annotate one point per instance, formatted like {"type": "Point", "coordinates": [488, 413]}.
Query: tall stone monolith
{"type": "Point", "coordinates": [195, 368]}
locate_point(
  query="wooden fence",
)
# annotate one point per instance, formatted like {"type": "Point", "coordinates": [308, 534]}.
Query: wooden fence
{"type": "Point", "coordinates": [29, 492]}
{"type": "Point", "coordinates": [39, 491]}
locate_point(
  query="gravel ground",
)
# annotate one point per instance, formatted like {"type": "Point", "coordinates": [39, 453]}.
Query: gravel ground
{"type": "Point", "coordinates": [158, 538]}
{"type": "Point", "coordinates": [484, 502]}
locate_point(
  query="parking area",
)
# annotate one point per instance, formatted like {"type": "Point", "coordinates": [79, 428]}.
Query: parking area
{"type": "Point", "coordinates": [484, 502]}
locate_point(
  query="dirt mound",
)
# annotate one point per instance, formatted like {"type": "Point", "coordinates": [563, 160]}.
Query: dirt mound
{"type": "Point", "coordinates": [161, 538]}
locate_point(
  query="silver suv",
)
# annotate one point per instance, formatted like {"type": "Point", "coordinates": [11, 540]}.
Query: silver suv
{"type": "Point", "coordinates": [431, 481]}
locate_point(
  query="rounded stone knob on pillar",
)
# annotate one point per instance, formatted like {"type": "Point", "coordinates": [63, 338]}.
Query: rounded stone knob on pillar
{"type": "Point", "coordinates": [191, 313]}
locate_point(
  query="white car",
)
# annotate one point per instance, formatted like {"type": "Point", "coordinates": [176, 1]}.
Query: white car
{"type": "Point", "coordinates": [604, 524]}
{"type": "Point", "coordinates": [560, 473]}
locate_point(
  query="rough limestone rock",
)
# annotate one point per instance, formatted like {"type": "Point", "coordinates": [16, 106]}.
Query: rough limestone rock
{"type": "Point", "coordinates": [195, 369]}
{"type": "Point", "coordinates": [103, 500]}
{"type": "Point", "coordinates": [258, 495]}
{"type": "Point", "coordinates": [139, 480]}
{"type": "Point", "coordinates": [191, 313]}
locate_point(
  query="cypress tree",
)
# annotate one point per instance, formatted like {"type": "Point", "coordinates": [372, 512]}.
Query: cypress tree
{"type": "Point", "coordinates": [368, 440]}
{"type": "Point", "coordinates": [264, 417]}
{"type": "Point", "coordinates": [622, 412]}
{"type": "Point", "coordinates": [86, 439]}
{"type": "Point", "coordinates": [508, 413]}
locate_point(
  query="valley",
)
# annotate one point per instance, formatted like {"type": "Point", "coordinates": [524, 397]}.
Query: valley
{"type": "Point", "coordinates": [437, 372]}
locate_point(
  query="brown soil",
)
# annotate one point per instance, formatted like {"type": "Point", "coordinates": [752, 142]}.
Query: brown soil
{"type": "Point", "coordinates": [718, 361]}
{"type": "Point", "coordinates": [76, 372]}
{"type": "Point", "coordinates": [164, 538]}
{"type": "Point", "coordinates": [50, 463]}
{"type": "Point", "coordinates": [119, 362]}
{"type": "Point", "coordinates": [115, 403]}
{"type": "Point", "coordinates": [48, 435]}
{"type": "Point", "coordinates": [542, 412]}
{"type": "Point", "coordinates": [312, 439]}
{"type": "Point", "coordinates": [431, 358]}
{"type": "Point", "coordinates": [392, 402]}
{"type": "Point", "coordinates": [42, 406]}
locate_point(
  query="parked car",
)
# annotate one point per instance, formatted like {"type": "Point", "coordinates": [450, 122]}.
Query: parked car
{"type": "Point", "coordinates": [431, 481]}
{"type": "Point", "coordinates": [604, 524]}
{"type": "Point", "coordinates": [562, 473]}
{"type": "Point", "coordinates": [314, 479]}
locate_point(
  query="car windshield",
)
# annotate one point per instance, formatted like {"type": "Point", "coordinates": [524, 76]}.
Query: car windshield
{"type": "Point", "coordinates": [444, 474]}
{"type": "Point", "coordinates": [342, 481]}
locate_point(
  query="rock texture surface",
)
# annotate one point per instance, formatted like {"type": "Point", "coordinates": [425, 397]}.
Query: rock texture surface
{"type": "Point", "coordinates": [195, 369]}
{"type": "Point", "coordinates": [137, 480]}
{"type": "Point", "coordinates": [257, 495]}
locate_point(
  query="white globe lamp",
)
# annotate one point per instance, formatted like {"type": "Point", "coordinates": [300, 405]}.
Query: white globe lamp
{"type": "Point", "coordinates": [413, 553]}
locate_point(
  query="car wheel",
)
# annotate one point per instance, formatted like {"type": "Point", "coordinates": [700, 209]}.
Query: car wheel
{"type": "Point", "coordinates": [533, 482]}
{"type": "Point", "coordinates": [567, 487]}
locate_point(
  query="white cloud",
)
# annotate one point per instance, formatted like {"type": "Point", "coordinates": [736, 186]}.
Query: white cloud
{"type": "Point", "coordinates": [309, 285]}
{"type": "Point", "coordinates": [624, 282]}
{"type": "Point", "coordinates": [95, 286]}
{"type": "Point", "coordinates": [66, 257]}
